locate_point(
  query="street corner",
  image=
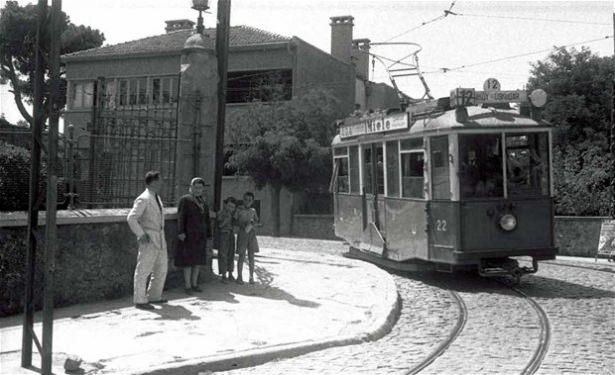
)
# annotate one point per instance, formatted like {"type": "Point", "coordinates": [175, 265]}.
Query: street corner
{"type": "Point", "coordinates": [363, 294]}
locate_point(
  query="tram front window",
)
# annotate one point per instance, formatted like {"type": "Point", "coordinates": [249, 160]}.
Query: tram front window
{"type": "Point", "coordinates": [480, 167]}
{"type": "Point", "coordinates": [527, 164]}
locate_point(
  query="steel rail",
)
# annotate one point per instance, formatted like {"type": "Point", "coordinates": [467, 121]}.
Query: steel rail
{"type": "Point", "coordinates": [545, 332]}
{"type": "Point", "coordinates": [461, 322]}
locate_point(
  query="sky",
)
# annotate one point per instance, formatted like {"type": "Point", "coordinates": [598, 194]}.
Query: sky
{"type": "Point", "coordinates": [465, 43]}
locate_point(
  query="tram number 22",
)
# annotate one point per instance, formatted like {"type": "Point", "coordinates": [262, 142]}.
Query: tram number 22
{"type": "Point", "coordinates": [441, 225]}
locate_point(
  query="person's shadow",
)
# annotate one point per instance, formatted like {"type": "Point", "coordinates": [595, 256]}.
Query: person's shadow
{"type": "Point", "coordinates": [264, 289]}
{"type": "Point", "coordinates": [173, 312]}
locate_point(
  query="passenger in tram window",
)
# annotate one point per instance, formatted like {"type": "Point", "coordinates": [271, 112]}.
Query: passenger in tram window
{"type": "Point", "coordinates": [517, 178]}
{"type": "Point", "coordinates": [246, 219]}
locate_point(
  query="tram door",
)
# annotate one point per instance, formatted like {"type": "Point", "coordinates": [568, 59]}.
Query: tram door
{"type": "Point", "coordinates": [373, 188]}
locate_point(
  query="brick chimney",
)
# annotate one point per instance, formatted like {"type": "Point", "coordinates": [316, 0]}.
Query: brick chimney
{"type": "Point", "coordinates": [174, 25]}
{"type": "Point", "coordinates": [341, 38]}
{"type": "Point", "coordinates": [360, 56]}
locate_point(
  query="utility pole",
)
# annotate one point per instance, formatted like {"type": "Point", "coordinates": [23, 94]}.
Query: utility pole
{"type": "Point", "coordinates": [52, 183]}
{"type": "Point", "coordinates": [28, 335]}
{"type": "Point", "coordinates": [612, 140]}
{"type": "Point", "coordinates": [222, 47]}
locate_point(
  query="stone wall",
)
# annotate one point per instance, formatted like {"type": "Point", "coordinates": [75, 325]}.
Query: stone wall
{"type": "Point", "coordinates": [95, 258]}
{"type": "Point", "coordinates": [314, 226]}
{"type": "Point", "coordinates": [577, 236]}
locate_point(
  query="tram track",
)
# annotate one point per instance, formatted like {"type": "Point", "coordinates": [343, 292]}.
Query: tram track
{"type": "Point", "coordinates": [545, 334]}
{"type": "Point", "coordinates": [461, 322]}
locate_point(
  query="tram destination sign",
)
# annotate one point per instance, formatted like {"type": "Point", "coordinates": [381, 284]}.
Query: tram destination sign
{"type": "Point", "coordinates": [373, 124]}
{"type": "Point", "coordinates": [468, 96]}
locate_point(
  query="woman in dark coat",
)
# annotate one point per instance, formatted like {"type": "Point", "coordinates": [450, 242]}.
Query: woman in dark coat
{"type": "Point", "coordinates": [194, 230]}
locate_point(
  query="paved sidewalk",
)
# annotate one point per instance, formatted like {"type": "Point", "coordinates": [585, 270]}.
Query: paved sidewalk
{"type": "Point", "coordinates": [301, 302]}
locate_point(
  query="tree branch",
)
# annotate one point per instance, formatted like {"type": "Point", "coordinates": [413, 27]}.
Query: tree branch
{"type": "Point", "coordinates": [16, 94]}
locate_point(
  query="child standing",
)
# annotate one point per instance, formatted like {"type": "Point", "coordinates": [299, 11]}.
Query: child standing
{"type": "Point", "coordinates": [226, 252]}
{"type": "Point", "coordinates": [246, 219]}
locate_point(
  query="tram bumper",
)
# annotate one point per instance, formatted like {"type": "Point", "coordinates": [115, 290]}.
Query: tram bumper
{"type": "Point", "coordinates": [474, 257]}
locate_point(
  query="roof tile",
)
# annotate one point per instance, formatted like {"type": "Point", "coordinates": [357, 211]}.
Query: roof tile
{"type": "Point", "coordinates": [174, 42]}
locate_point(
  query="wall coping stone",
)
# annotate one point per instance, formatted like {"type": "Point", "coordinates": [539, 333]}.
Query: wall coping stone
{"type": "Point", "coordinates": [582, 217]}
{"type": "Point", "coordinates": [65, 217]}
{"type": "Point", "coordinates": [315, 216]}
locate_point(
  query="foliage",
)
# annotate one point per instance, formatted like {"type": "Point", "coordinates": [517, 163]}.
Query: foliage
{"type": "Point", "coordinates": [287, 143]}
{"type": "Point", "coordinates": [14, 177]}
{"type": "Point", "coordinates": [578, 85]}
{"type": "Point", "coordinates": [18, 46]}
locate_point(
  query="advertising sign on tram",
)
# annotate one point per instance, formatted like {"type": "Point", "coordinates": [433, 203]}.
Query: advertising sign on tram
{"type": "Point", "coordinates": [374, 124]}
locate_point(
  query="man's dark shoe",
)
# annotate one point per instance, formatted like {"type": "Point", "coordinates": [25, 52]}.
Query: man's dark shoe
{"type": "Point", "coordinates": [160, 301]}
{"type": "Point", "coordinates": [197, 289]}
{"type": "Point", "coordinates": [188, 291]}
{"type": "Point", "coordinates": [231, 278]}
{"type": "Point", "coordinates": [239, 281]}
{"type": "Point", "coordinates": [144, 306]}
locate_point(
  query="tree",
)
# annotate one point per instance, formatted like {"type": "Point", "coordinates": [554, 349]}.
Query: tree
{"type": "Point", "coordinates": [579, 104]}
{"type": "Point", "coordinates": [286, 144]}
{"type": "Point", "coordinates": [18, 46]}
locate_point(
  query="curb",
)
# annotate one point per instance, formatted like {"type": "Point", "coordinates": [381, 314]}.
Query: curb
{"type": "Point", "coordinates": [255, 357]}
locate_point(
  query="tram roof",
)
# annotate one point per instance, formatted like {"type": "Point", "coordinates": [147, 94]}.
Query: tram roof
{"type": "Point", "coordinates": [478, 118]}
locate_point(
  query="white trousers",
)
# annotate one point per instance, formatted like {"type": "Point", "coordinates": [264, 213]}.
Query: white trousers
{"type": "Point", "coordinates": [151, 260]}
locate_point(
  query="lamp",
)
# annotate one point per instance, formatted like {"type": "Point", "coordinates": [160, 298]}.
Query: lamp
{"type": "Point", "coordinates": [201, 6]}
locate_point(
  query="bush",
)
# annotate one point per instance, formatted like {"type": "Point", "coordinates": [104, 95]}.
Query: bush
{"type": "Point", "coordinates": [14, 177]}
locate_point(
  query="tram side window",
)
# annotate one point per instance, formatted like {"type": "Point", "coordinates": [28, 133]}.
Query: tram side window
{"type": "Point", "coordinates": [412, 177]}
{"type": "Point", "coordinates": [440, 179]}
{"type": "Point", "coordinates": [392, 169]}
{"type": "Point", "coordinates": [343, 183]}
{"type": "Point", "coordinates": [340, 172]}
{"type": "Point", "coordinates": [367, 170]}
{"type": "Point", "coordinates": [355, 186]}
{"type": "Point", "coordinates": [481, 168]}
{"type": "Point", "coordinates": [527, 164]}
{"type": "Point", "coordinates": [380, 169]}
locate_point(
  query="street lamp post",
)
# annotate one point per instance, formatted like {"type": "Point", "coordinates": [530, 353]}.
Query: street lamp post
{"type": "Point", "coordinates": [201, 6]}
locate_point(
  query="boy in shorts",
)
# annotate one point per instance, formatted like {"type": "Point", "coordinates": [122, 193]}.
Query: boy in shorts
{"type": "Point", "coordinates": [226, 252]}
{"type": "Point", "coordinates": [246, 219]}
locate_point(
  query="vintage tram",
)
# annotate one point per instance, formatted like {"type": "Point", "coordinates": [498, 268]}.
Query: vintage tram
{"type": "Point", "coordinates": [451, 183]}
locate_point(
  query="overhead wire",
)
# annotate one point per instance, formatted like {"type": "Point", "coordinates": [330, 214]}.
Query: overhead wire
{"type": "Point", "coordinates": [531, 19]}
{"type": "Point", "coordinates": [445, 70]}
{"type": "Point", "coordinates": [442, 16]}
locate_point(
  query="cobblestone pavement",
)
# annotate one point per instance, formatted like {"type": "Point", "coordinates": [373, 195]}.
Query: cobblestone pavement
{"type": "Point", "coordinates": [580, 303]}
{"type": "Point", "coordinates": [428, 314]}
{"type": "Point", "coordinates": [501, 333]}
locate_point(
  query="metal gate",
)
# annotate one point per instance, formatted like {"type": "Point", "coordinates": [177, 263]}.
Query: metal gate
{"type": "Point", "coordinates": [126, 141]}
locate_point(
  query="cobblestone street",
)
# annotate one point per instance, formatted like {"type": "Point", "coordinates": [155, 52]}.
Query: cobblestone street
{"type": "Point", "coordinates": [501, 332]}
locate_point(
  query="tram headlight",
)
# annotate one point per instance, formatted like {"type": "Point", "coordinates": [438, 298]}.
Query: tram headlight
{"type": "Point", "coordinates": [508, 222]}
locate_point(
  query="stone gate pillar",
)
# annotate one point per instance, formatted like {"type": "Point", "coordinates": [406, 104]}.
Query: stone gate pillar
{"type": "Point", "coordinates": [197, 115]}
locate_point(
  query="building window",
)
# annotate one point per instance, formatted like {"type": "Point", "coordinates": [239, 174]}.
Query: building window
{"type": "Point", "coordinates": [264, 85]}
{"type": "Point", "coordinates": [82, 94]}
